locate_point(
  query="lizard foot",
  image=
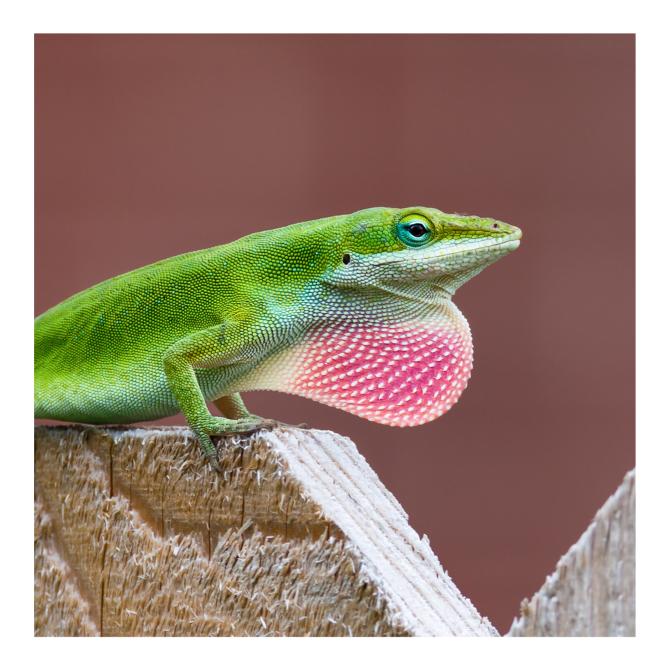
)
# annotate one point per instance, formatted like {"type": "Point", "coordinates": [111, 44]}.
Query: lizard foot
{"type": "Point", "coordinates": [245, 425]}
{"type": "Point", "coordinates": [219, 426]}
{"type": "Point", "coordinates": [214, 462]}
{"type": "Point", "coordinates": [275, 423]}
{"type": "Point", "coordinates": [282, 424]}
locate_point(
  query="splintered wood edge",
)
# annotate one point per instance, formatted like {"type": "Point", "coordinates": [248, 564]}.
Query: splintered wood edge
{"type": "Point", "coordinates": [338, 509]}
{"type": "Point", "coordinates": [592, 590]}
{"type": "Point", "coordinates": [421, 595]}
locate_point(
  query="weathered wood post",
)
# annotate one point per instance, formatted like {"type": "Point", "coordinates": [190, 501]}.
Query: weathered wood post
{"type": "Point", "coordinates": [592, 591]}
{"type": "Point", "coordinates": [135, 535]}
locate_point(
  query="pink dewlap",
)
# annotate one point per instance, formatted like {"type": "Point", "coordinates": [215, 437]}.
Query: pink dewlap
{"type": "Point", "coordinates": [402, 375]}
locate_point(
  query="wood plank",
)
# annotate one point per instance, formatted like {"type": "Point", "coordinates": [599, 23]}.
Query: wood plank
{"type": "Point", "coordinates": [592, 590]}
{"type": "Point", "coordinates": [135, 535]}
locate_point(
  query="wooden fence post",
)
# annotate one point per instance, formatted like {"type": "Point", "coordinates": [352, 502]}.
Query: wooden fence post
{"type": "Point", "coordinates": [592, 591]}
{"type": "Point", "coordinates": [135, 535]}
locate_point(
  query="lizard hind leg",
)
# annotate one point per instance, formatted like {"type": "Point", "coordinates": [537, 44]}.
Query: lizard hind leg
{"type": "Point", "coordinates": [232, 406]}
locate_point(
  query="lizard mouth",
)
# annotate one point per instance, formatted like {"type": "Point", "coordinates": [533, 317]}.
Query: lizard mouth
{"type": "Point", "coordinates": [509, 243]}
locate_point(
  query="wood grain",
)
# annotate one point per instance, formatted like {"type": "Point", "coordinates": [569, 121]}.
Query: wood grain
{"type": "Point", "coordinates": [135, 535]}
{"type": "Point", "coordinates": [592, 590]}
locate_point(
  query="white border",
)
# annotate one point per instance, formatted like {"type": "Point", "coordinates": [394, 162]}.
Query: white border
{"type": "Point", "coordinates": [21, 20]}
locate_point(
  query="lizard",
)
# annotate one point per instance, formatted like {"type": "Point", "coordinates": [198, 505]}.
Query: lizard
{"type": "Point", "coordinates": [354, 311]}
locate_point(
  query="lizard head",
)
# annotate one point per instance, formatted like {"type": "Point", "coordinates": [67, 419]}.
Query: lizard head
{"type": "Point", "coordinates": [418, 246]}
{"type": "Point", "coordinates": [387, 344]}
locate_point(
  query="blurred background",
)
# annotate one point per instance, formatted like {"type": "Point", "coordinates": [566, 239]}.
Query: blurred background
{"type": "Point", "coordinates": [150, 146]}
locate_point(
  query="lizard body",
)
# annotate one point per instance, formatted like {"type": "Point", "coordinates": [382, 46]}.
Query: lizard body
{"type": "Point", "coordinates": [354, 311]}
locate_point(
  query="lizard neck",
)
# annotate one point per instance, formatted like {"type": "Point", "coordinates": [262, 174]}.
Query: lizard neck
{"type": "Point", "coordinates": [399, 372]}
{"type": "Point", "coordinates": [403, 368]}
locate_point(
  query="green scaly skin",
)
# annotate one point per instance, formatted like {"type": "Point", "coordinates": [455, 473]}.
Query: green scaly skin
{"type": "Point", "coordinates": [274, 310]}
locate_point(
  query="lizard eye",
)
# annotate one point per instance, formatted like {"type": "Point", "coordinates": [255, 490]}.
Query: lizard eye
{"type": "Point", "coordinates": [414, 230]}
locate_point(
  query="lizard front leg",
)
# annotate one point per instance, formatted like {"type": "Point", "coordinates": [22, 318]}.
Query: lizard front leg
{"type": "Point", "coordinates": [225, 347]}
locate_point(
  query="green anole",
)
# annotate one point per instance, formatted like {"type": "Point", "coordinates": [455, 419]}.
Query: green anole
{"type": "Point", "coordinates": [353, 311]}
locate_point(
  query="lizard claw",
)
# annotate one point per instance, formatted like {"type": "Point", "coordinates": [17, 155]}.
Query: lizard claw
{"type": "Point", "coordinates": [214, 462]}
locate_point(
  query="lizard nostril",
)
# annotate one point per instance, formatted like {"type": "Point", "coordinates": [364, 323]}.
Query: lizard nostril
{"type": "Point", "coordinates": [496, 225]}
{"type": "Point", "coordinates": [346, 259]}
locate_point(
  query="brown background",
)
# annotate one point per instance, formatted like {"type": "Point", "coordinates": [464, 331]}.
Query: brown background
{"type": "Point", "coordinates": [149, 146]}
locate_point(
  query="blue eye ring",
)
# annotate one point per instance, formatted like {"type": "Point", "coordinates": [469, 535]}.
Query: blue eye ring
{"type": "Point", "coordinates": [414, 230]}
